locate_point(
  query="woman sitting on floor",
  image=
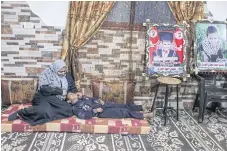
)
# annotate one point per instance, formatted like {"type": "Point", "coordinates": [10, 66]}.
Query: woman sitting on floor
{"type": "Point", "coordinates": [49, 102]}
{"type": "Point", "coordinates": [86, 108]}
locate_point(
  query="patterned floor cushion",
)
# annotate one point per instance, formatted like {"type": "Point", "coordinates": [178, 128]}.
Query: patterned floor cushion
{"type": "Point", "coordinates": [73, 124]}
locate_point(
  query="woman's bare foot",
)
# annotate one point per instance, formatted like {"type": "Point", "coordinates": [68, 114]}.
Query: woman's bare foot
{"type": "Point", "coordinates": [149, 115]}
{"type": "Point", "coordinates": [146, 107]}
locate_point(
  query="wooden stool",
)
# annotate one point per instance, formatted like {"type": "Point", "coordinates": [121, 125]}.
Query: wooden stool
{"type": "Point", "coordinates": [167, 81]}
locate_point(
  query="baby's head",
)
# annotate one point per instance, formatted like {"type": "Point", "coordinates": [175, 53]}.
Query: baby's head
{"type": "Point", "coordinates": [72, 97]}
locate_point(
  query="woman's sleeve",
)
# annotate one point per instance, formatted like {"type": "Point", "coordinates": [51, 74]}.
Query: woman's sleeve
{"type": "Point", "coordinates": [43, 80]}
{"type": "Point", "coordinates": [71, 84]}
{"type": "Point", "coordinates": [47, 90]}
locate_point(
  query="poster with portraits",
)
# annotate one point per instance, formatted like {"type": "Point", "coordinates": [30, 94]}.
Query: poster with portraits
{"type": "Point", "coordinates": [165, 50]}
{"type": "Point", "coordinates": [211, 46]}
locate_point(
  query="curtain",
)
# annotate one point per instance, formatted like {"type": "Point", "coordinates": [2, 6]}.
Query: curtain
{"type": "Point", "coordinates": [187, 12]}
{"type": "Point", "coordinates": [84, 20]}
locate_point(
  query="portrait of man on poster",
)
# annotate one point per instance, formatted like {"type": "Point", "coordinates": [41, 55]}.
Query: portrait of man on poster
{"type": "Point", "coordinates": [165, 50]}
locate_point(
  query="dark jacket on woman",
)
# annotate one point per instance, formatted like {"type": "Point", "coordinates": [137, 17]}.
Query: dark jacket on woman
{"type": "Point", "coordinates": [46, 106]}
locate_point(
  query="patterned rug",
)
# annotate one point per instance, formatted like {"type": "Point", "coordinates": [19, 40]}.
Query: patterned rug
{"type": "Point", "coordinates": [183, 135]}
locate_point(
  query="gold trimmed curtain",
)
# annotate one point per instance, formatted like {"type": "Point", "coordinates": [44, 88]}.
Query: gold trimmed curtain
{"type": "Point", "coordinates": [84, 20]}
{"type": "Point", "coordinates": [187, 12]}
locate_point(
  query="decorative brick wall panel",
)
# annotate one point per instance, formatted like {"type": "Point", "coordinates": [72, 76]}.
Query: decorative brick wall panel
{"type": "Point", "coordinates": [28, 45]}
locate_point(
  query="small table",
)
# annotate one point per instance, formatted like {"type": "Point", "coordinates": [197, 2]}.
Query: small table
{"type": "Point", "coordinates": [167, 81]}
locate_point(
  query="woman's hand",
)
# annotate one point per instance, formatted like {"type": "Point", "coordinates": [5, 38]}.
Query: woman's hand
{"type": "Point", "coordinates": [98, 110]}
{"type": "Point", "coordinates": [101, 102]}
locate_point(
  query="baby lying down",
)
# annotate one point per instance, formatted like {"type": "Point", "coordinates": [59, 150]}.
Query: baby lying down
{"type": "Point", "coordinates": [86, 108]}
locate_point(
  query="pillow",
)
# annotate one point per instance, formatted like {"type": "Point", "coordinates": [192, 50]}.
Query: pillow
{"type": "Point", "coordinates": [121, 92]}
{"type": "Point", "coordinates": [18, 91]}
{"type": "Point", "coordinates": [87, 91]}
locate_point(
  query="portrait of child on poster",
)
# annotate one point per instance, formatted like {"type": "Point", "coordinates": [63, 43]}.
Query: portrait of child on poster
{"type": "Point", "coordinates": [211, 46]}
{"type": "Point", "coordinates": [166, 50]}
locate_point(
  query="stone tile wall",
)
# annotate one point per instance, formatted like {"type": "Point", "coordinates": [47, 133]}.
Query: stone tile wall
{"type": "Point", "coordinates": [27, 44]}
